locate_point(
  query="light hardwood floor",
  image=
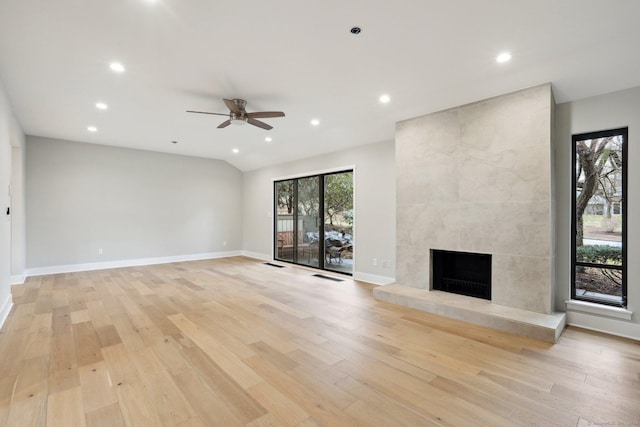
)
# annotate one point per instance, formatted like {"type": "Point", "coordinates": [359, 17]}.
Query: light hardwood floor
{"type": "Point", "coordinates": [234, 342]}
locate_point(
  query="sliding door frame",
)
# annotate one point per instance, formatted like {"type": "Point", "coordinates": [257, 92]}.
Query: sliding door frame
{"type": "Point", "coordinates": [274, 214]}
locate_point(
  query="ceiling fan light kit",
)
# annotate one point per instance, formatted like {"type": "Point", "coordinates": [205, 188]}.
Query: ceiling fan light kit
{"type": "Point", "coordinates": [238, 120]}
{"type": "Point", "coordinates": [239, 116]}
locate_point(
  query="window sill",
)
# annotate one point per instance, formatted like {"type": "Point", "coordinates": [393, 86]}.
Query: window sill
{"type": "Point", "coordinates": [602, 310]}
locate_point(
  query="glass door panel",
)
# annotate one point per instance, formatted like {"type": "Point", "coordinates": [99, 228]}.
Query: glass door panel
{"type": "Point", "coordinates": [338, 222]}
{"type": "Point", "coordinates": [285, 203]}
{"type": "Point", "coordinates": [308, 230]}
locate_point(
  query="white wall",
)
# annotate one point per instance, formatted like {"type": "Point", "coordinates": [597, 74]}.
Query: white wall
{"type": "Point", "coordinates": [18, 211]}
{"type": "Point", "coordinates": [375, 202]}
{"type": "Point", "coordinates": [10, 133]}
{"type": "Point", "coordinates": [132, 204]}
{"type": "Point", "coordinates": [614, 110]}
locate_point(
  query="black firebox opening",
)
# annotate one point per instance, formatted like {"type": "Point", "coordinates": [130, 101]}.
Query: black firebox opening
{"type": "Point", "coordinates": [461, 273]}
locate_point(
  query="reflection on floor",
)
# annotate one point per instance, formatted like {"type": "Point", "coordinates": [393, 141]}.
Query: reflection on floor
{"type": "Point", "coordinates": [345, 266]}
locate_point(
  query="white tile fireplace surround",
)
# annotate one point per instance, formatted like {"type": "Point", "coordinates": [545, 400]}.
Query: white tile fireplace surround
{"type": "Point", "coordinates": [478, 178]}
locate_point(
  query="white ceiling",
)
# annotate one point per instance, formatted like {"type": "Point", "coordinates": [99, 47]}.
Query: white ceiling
{"type": "Point", "coordinates": [298, 57]}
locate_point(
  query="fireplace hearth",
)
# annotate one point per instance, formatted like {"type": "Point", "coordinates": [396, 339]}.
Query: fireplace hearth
{"type": "Point", "coordinates": [461, 273]}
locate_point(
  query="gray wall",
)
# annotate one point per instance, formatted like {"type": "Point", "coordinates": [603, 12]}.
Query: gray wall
{"type": "Point", "coordinates": [18, 211]}
{"type": "Point", "coordinates": [11, 138]}
{"type": "Point", "coordinates": [374, 224]}
{"type": "Point", "coordinates": [5, 225]}
{"type": "Point", "coordinates": [131, 204]}
{"type": "Point", "coordinates": [477, 178]}
{"type": "Point", "coordinates": [608, 111]}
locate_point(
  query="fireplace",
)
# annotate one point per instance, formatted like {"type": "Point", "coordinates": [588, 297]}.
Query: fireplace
{"type": "Point", "coordinates": [461, 273]}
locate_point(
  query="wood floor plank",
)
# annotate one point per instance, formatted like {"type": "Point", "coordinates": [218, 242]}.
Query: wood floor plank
{"type": "Point", "coordinates": [65, 408]}
{"type": "Point", "coordinates": [136, 406]}
{"type": "Point", "coordinates": [106, 416]}
{"type": "Point", "coordinates": [226, 389]}
{"type": "Point", "coordinates": [32, 379]}
{"type": "Point", "coordinates": [282, 408]}
{"type": "Point", "coordinates": [80, 316]}
{"type": "Point", "coordinates": [233, 342]}
{"type": "Point", "coordinates": [170, 403]}
{"type": "Point", "coordinates": [402, 415]}
{"type": "Point", "coordinates": [31, 412]}
{"type": "Point", "coordinates": [63, 364]}
{"type": "Point", "coordinates": [118, 362]}
{"type": "Point", "coordinates": [234, 367]}
{"type": "Point", "coordinates": [266, 420]}
{"type": "Point", "coordinates": [7, 385]}
{"type": "Point", "coordinates": [87, 344]}
{"type": "Point", "coordinates": [207, 405]}
{"type": "Point", "coordinates": [96, 386]}
{"type": "Point", "coordinates": [318, 402]}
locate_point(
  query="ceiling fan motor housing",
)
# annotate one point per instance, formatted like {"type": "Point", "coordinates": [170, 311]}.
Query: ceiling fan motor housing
{"type": "Point", "coordinates": [241, 103]}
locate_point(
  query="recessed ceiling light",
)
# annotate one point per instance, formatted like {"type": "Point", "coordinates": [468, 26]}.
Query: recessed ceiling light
{"type": "Point", "coordinates": [503, 57]}
{"type": "Point", "coordinates": [315, 122]}
{"type": "Point", "coordinates": [117, 67]}
{"type": "Point", "coordinates": [235, 151]}
{"type": "Point", "coordinates": [92, 128]}
{"type": "Point", "coordinates": [101, 106]}
{"type": "Point", "coordinates": [355, 30]}
{"type": "Point", "coordinates": [174, 142]}
{"type": "Point", "coordinates": [385, 99]}
{"type": "Point", "coordinates": [268, 139]}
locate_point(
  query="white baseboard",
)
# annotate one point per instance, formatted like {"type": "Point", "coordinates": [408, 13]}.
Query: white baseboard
{"type": "Point", "coordinates": [18, 279]}
{"type": "Point", "coordinates": [374, 279]}
{"type": "Point", "coordinates": [257, 255]}
{"type": "Point", "coordinates": [5, 309]}
{"type": "Point", "coordinates": [610, 326]}
{"type": "Point", "coordinates": [56, 269]}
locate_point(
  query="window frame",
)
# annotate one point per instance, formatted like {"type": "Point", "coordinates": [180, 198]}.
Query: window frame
{"type": "Point", "coordinates": [624, 133]}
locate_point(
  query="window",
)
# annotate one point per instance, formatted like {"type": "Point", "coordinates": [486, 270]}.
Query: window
{"type": "Point", "coordinates": [599, 217]}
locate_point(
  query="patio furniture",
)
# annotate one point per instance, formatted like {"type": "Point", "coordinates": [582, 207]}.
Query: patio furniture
{"type": "Point", "coordinates": [286, 244]}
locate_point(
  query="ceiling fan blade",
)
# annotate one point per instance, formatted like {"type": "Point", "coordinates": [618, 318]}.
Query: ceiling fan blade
{"type": "Point", "coordinates": [232, 106]}
{"type": "Point", "coordinates": [224, 124]}
{"type": "Point", "coordinates": [258, 123]}
{"type": "Point", "coordinates": [265, 114]}
{"type": "Point", "coordinates": [206, 112]}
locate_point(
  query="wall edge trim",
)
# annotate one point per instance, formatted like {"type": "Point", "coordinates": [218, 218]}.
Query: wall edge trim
{"type": "Point", "coordinates": [5, 310]}
{"type": "Point", "coordinates": [70, 268]}
{"type": "Point", "coordinates": [373, 278]}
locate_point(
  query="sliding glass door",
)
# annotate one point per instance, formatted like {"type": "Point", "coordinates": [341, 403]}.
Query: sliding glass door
{"type": "Point", "coordinates": [308, 220]}
{"type": "Point", "coordinates": [314, 221]}
{"type": "Point", "coordinates": [286, 225]}
{"type": "Point", "coordinates": [338, 222]}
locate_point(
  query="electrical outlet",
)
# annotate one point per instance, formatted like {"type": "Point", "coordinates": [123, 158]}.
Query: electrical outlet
{"type": "Point", "coordinates": [100, 251]}
{"type": "Point", "coordinates": [224, 243]}
{"type": "Point", "coordinates": [375, 261]}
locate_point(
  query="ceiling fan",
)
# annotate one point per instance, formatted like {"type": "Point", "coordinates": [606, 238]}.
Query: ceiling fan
{"type": "Point", "coordinates": [239, 116]}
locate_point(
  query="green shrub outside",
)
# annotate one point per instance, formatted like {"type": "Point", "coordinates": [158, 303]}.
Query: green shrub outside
{"type": "Point", "coordinates": [599, 254]}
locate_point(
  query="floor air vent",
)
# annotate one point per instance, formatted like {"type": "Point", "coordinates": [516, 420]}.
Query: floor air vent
{"type": "Point", "coordinates": [274, 265]}
{"type": "Point", "coordinates": [327, 277]}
